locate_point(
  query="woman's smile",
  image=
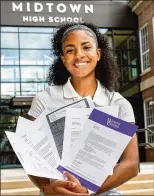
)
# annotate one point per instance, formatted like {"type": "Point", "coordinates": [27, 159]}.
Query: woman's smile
{"type": "Point", "coordinates": [80, 64]}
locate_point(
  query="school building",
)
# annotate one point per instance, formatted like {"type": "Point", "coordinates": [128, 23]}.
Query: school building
{"type": "Point", "coordinates": [26, 55]}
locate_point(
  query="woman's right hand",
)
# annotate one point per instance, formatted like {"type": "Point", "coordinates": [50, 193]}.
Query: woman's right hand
{"type": "Point", "coordinates": [60, 187]}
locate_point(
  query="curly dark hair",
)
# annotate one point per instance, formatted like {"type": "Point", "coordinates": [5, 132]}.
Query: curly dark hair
{"type": "Point", "coordinates": [107, 70]}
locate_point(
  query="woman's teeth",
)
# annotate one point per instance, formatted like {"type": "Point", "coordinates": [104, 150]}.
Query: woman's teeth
{"type": "Point", "coordinates": [80, 64]}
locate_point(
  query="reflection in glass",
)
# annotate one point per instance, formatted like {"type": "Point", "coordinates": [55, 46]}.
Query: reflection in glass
{"type": "Point", "coordinates": [12, 89]}
{"type": "Point", "coordinates": [32, 73]}
{"type": "Point", "coordinates": [32, 88]}
{"type": "Point", "coordinates": [35, 57]}
{"type": "Point", "coordinates": [35, 40]}
{"type": "Point", "coordinates": [103, 31]}
{"type": "Point", "coordinates": [9, 29]}
{"type": "Point", "coordinates": [9, 40]}
{"type": "Point", "coordinates": [9, 57]}
{"type": "Point", "coordinates": [9, 74]}
{"type": "Point", "coordinates": [36, 29]}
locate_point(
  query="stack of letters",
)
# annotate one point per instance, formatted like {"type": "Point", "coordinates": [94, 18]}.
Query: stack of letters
{"type": "Point", "coordinates": [80, 138]}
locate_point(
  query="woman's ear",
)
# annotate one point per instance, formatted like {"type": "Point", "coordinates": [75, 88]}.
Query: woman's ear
{"type": "Point", "coordinates": [99, 53]}
{"type": "Point", "coordinates": [63, 60]}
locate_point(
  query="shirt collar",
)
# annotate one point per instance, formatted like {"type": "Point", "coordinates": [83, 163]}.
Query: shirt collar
{"type": "Point", "coordinates": [69, 91]}
{"type": "Point", "coordinates": [99, 97]}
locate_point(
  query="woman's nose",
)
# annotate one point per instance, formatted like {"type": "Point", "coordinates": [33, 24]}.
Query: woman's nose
{"type": "Point", "coordinates": [79, 53]}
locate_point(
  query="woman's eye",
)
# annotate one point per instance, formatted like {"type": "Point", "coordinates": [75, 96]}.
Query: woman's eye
{"type": "Point", "coordinates": [69, 51]}
{"type": "Point", "coordinates": [87, 47]}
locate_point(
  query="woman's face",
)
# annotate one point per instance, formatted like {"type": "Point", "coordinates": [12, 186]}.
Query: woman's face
{"type": "Point", "coordinates": [80, 53]}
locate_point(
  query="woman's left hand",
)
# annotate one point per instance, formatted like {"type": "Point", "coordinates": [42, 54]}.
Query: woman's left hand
{"type": "Point", "coordinates": [79, 188]}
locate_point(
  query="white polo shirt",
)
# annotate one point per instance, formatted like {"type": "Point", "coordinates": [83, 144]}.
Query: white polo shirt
{"type": "Point", "coordinates": [56, 96]}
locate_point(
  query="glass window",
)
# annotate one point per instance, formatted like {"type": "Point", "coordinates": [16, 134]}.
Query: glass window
{"type": "Point", "coordinates": [32, 88]}
{"type": "Point", "coordinates": [123, 32]}
{"type": "Point", "coordinates": [34, 40]}
{"type": "Point", "coordinates": [9, 74]}
{"type": "Point", "coordinates": [32, 73]}
{"type": "Point", "coordinates": [149, 120]}
{"type": "Point", "coordinates": [12, 89]}
{"type": "Point", "coordinates": [103, 31]}
{"type": "Point", "coordinates": [120, 41]}
{"type": "Point", "coordinates": [9, 29]}
{"type": "Point", "coordinates": [36, 29]}
{"type": "Point", "coordinates": [36, 57]}
{"type": "Point", "coordinates": [9, 40]}
{"type": "Point", "coordinates": [9, 57]}
{"type": "Point", "coordinates": [144, 49]}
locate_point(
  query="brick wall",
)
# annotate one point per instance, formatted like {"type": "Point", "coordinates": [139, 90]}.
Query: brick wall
{"type": "Point", "coordinates": [145, 15]}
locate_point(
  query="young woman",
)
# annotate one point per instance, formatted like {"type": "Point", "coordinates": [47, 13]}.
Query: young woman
{"type": "Point", "coordinates": [84, 66]}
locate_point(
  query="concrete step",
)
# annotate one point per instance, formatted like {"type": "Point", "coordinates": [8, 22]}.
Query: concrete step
{"type": "Point", "coordinates": [136, 185]}
{"type": "Point", "coordinates": [141, 176]}
{"type": "Point", "coordinates": [138, 192]}
{"type": "Point", "coordinates": [14, 184]}
{"type": "Point", "coordinates": [23, 191]}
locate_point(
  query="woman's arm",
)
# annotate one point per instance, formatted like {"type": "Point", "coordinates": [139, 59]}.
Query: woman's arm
{"type": "Point", "coordinates": [125, 170]}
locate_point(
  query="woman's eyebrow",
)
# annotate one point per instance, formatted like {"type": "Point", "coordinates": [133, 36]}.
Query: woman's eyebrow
{"type": "Point", "coordinates": [72, 45]}
{"type": "Point", "coordinates": [83, 43]}
{"type": "Point", "coordinates": [69, 45]}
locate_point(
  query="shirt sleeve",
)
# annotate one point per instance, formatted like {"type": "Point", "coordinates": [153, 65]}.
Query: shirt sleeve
{"type": "Point", "coordinates": [126, 112]}
{"type": "Point", "coordinates": [37, 107]}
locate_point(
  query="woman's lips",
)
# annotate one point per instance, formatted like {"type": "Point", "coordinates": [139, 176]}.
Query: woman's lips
{"type": "Point", "coordinates": [80, 64]}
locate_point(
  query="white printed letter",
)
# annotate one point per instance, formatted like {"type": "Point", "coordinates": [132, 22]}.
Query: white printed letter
{"type": "Point", "coordinates": [61, 10]}
{"type": "Point", "coordinates": [38, 7]}
{"type": "Point", "coordinates": [89, 9]}
{"type": "Point", "coordinates": [16, 7]}
{"type": "Point", "coordinates": [49, 6]}
{"type": "Point", "coordinates": [75, 8]}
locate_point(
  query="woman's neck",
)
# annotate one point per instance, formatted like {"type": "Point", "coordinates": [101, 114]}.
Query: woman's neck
{"type": "Point", "coordinates": [84, 86]}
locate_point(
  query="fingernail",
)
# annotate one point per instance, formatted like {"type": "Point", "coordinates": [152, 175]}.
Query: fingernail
{"type": "Point", "coordinates": [73, 184]}
{"type": "Point", "coordinates": [64, 172]}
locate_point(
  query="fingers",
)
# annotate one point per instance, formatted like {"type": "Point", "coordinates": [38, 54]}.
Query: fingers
{"type": "Point", "coordinates": [64, 191]}
{"type": "Point", "coordinates": [60, 187]}
{"type": "Point", "coordinates": [70, 177]}
{"type": "Point", "coordinates": [66, 184]}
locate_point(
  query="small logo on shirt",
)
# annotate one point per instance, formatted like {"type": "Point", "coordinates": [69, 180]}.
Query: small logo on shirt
{"type": "Point", "coordinates": [112, 123]}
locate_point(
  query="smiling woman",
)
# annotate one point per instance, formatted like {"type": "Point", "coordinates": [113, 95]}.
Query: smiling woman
{"type": "Point", "coordinates": [84, 66]}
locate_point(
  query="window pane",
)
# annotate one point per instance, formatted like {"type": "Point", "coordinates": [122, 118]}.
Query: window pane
{"type": "Point", "coordinates": [123, 32]}
{"type": "Point", "coordinates": [34, 40]}
{"type": "Point", "coordinates": [120, 41]}
{"type": "Point", "coordinates": [35, 57]}
{"type": "Point", "coordinates": [36, 29]}
{"type": "Point", "coordinates": [34, 74]}
{"type": "Point", "coordinates": [103, 31]}
{"type": "Point", "coordinates": [146, 63]}
{"type": "Point", "coordinates": [9, 40]}
{"type": "Point", "coordinates": [9, 57]}
{"type": "Point", "coordinates": [9, 29]}
{"type": "Point", "coordinates": [32, 88]}
{"type": "Point", "coordinates": [12, 89]}
{"type": "Point", "coordinates": [10, 74]}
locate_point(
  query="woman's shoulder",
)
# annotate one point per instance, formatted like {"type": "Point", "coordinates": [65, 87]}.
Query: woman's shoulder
{"type": "Point", "coordinates": [49, 91]}
{"type": "Point", "coordinates": [116, 97]}
{"type": "Point", "coordinates": [125, 108]}
{"type": "Point", "coordinates": [120, 99]}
